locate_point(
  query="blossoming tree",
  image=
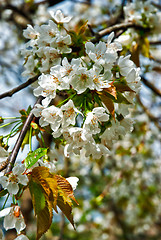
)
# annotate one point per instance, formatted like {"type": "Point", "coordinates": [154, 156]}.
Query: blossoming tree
{"type": "Point", "coordinates": [85, 69]}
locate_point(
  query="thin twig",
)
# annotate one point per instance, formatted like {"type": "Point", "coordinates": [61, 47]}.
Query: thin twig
{"type": "Point", "coordinates": [151, 86]}
{"type": "Point", "coordinates": [156, 5]}
{"type": "Point", "coordinates": [149, 114]}
{"type": "Point", "coordinates": [155, 42]}
{"type": "Point", "coordinates": [81, 2]}
{"type": "Point", "coordinates": [156, 60]}
{"type": "Point", "coordinates": [18, 11]}
{"type": "Point", "coordinates": [18, 88]}
{"type": "Point", "coordinates": [122, 9]}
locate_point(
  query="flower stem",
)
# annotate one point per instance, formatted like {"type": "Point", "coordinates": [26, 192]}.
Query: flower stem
{"type": "Point", "coordinates": [70, 97]}
{"type": "Point", "coordinates": [7, 124]}
{"type": "Point", "coordinates": [30, 139]}
{"type": "Point", "coordinates": [5, 201]}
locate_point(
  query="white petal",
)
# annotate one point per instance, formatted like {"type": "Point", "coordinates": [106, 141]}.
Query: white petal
{"type": "Point", "coordinates": [73, 181]}
{"type": "Point", "coordinates": [22, 237]}
{"type": "Point", "coordinates": [18, 169]}
{"type": "Point", "coordinates": [4, 181]}
{"type": "Point", "coordinates": [20, 224]}
{"type": "Point", "coordinates": [13, 188]}
{"type": "Point", "coordinates": [5, 212]}
{"type": "Point", "coordinates": [9, 222]}
{"type": "Point", "coordinates": [23, 179]}
{"type": "Point", "coordinates": [110, 37]}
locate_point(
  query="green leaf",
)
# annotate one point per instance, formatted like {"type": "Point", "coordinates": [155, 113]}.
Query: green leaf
{"type": "Point", "coordinates": [121, 87]}
{"type": "Point", "coordinates": [33, 157]}
{"type": "Point", "coordinates": [42, 208]}
{"type": "Point", "coordinates": [3, 192]}
{"type": "Point", "coordinates": [121, 99]}
{"type": "Point", "coordinates": [38, 198]}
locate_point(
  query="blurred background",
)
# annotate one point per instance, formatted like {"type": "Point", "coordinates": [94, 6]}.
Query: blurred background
{"type": "Point", "coordinates": [119, 196]}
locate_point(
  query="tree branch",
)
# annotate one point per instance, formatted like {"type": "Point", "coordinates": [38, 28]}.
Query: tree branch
{"type": "Point", "coordinates": [151, 86]}
{"type": "Point", "coordinates": [18, 11]}
{"type": "Point", "coordinates": [18, 88]}
{"type": "Point", "coordinates": [114, 28]}
{"type": "Point", "coordinates": [13, 155]}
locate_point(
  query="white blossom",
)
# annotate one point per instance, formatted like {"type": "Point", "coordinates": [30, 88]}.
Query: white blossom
{"type": "Point", "coordinates": [61, 83]}
{"type": "Point", "coordinates": [100, 81]}
{"type": "Point", "coordinates": [13, 218]}
{"type": "Point", "coordinates": [46, 89]}
{"type": "Point", "coordinates": [112, 133]}
{"type": "Point", "coordinates": [59, 17]}
{"type": "Point", "coordinates": [49, 164]}
{"type": "Point", "coordinates": [47, 33]}
{"type": "Point", "coordinates": [125, 65]}
{"type": "Point", "coordinates": [37, 111]}
{"type": "Point", "coordinates": [95, 150]}
{"type": "Point", "coordinates": [76, 138]}
{"type": "Point", "coordinates": [69, 114]}
{"type": "Point", "coordinates": [82, 80]}
{"type": "Point", "coordinates": [69, 69]}
{"type": "Point", "coordinates": [16, 177]}
{"type": "Point", "coordinates": [31, 33]}
{"type": "Point", "coordinates": [133, 79]}
{"type": "Point", "coordinates": [53, 115]}
{"type": "Point", "coordinates": [95, 118]}
{"type": "Point", "coordinates": [97, 53]}
{"type": "Point", "coordinates": [61, 43]}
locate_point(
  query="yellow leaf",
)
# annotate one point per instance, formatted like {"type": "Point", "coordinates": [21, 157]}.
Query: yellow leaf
{"type": "Point", "coordinates": [54, 190]}
{"type": "Point", "coordinates": [39, 174]}
{"type": "Point", "coordinates": [111, 90]}
{"type": "Point", "coordinates": [145, 47]}
{"type": "Point", "coordinates": [135, 54]}
{"type": "Point", "coordinates": [66, 188]}
{"type": "Point", "coordinates": [52, 182]}
{"type": "Point", "coordinates": [66, 209]}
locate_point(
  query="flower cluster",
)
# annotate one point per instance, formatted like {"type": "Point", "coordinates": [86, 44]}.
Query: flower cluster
{"type": "Point", "coordinates": [143, 13]}
{"type": "Point", "coordinates": [99, 84]}
{"type": "Point", "coordinates": [46, 46]}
